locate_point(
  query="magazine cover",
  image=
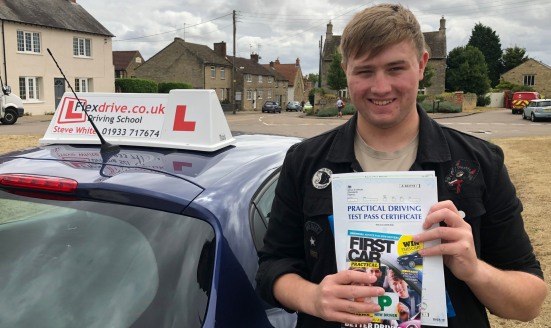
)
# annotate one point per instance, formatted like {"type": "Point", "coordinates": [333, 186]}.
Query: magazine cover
{"type": "Point", "coordinates": [375, 216]}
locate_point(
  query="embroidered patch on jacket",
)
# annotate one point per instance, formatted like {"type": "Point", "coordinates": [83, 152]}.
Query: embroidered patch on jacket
{"type": "Point", "coordinates": [312, 232]}
{"type": "Point", "coordinates": [322, 178]}
{"type": "Point", "coordinates": [462, 172]}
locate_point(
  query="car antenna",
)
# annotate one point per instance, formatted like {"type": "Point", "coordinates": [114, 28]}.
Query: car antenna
{"type": "Point", "coordinates": [106, 147]}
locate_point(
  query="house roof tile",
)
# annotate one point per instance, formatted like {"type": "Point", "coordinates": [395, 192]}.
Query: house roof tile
{"type": "Point", "coordinates": [60, 14]}
{"type": "Point", "coordinates": [121, 59]}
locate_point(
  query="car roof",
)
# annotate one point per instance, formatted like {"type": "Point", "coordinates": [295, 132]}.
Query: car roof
{"type": "Point", "coordinates": [203, 169]}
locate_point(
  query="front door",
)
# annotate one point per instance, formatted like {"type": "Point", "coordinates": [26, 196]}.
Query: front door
{"type": "Point", "coordinates": [59, 90]}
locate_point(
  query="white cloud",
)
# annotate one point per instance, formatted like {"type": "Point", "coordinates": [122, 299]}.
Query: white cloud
{"type": "Point", "coordinates": [292, 29]}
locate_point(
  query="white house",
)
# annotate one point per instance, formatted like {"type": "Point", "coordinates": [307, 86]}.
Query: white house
{"type": "Point", "coordinates": [80, 44]}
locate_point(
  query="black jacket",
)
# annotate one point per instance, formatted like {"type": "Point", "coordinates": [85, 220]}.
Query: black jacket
{"type": "Point", "coordinates": [470, 172]}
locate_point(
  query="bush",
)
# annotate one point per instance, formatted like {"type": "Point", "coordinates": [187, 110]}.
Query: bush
{"type": "Point", "coordinates": [125, 85]}
{"type": "Point", "coordinates": [332, 111]}
{"type": "Point", "coordinates": [482, 101]}
{"type": "Point", "coordinates": [440, 107]}
{"type": "Point", "coordinates": [421, 98]}
{"type": "Point", "coordinates": [165, 87]}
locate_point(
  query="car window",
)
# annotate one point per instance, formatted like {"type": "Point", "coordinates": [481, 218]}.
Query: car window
{"type": "Point", "coordinates": [545, 103]}
{"type": "Point", "coordinates": [89, 264]}
{"type": "Point", "coordinates": [261, 207]}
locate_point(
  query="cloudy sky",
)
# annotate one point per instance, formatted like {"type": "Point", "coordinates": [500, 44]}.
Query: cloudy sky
{"type": "Point", "coordinates": [291, 29]}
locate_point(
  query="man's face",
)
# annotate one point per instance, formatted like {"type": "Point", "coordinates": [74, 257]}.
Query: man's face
{"type": "Point", "coordinates": [384, 88]}
{"type": "Point", "coordinates": [398, 284]}
{"type": "Point", "coordinates": [375, 271]}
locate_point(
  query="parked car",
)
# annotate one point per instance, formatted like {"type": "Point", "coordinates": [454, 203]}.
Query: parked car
{"type": "Point", "coordinates": [307, 106]}
{"type": "Point", "coordinates": [537, 109]}
{"type": "Point", "coordinates": [271, 107]}
{"type": "Point", "coordinates": [411, 260]}
{"type": "Point", "coordinates": [293, 106]}
{"type": "Point", "coordinates": [122, 235]}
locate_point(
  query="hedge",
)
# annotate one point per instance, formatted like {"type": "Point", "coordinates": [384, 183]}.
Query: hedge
{"type": "Point", "coordinates": [126, 85]}
{"type": "Point", "coordinates": [165, 87]}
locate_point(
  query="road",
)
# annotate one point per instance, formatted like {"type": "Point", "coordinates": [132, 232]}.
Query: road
{"type": "Point", "coordinates": [488, 125]}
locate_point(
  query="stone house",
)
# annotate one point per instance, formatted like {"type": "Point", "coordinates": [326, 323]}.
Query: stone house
{"type": "Point", "coordinates": [293, 74]}
{"type": "Point", "coordinates": [81, 45]}
{"type": "Point", "coordinates": [435, 43]}
{"type": "Point", "coordinates": [531, 73]}
{"type": "Point", "coordinates": [196, 64]}
{"type": "Point", "coordinates": [125, 63]}
{"type": "Point", "coordinates": [256, 84]}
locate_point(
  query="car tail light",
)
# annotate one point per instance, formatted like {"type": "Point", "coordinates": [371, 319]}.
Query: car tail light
{"type": "Point", "coordinates": [38, 182]}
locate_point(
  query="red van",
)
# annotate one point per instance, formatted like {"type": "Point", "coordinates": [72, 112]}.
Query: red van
{"type": "Point", "coordinates": [521, 99]}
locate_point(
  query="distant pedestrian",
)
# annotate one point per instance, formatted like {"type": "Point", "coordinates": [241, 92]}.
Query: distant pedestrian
{"type": "Point", "coordinates": [340, 106]}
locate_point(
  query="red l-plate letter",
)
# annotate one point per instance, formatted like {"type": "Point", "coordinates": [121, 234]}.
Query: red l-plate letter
{"type": "Point", "coordinates": [180, 123]}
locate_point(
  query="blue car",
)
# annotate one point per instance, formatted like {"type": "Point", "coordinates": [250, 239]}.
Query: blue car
{"type": "Point", "coordinates": [140, 236]}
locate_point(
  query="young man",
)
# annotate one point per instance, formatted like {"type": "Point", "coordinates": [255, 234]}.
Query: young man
{"type": "Point", "coordinates": [487, 254]}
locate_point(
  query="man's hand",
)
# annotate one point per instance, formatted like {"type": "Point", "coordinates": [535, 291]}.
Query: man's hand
{"type": "Point", "coordinates": [457, 245]}
{"type": "Point", "coordinates": [333, 298]}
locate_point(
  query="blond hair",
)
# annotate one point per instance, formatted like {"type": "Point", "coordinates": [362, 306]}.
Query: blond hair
{"type": "Point", "coordinates": [373, 29]}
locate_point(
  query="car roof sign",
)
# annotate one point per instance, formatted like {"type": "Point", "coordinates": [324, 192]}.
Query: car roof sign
{"type": "Point", "coordinates": [181, 119]}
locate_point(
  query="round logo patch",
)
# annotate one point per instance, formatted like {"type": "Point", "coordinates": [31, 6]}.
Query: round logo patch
{"type": "Point", "coordinates": [322, 178]}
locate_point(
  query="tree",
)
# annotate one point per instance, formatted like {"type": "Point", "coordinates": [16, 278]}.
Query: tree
{"type": "Point", "coordinates": [427, 77]}
{"type": "Point", "coordinates": [512, 57]}
{"type": "Point", "coordinates": [312, 77]}
{"type": "Point", "coordinates": [336, 79]}
{"type": "Point", "coordinates": [467, 71]}
{"type": "Point", "coordinates": [488, 42]}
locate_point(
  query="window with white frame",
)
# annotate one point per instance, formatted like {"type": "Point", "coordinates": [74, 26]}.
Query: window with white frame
{"type": "Point", "coordinates": [222, 73]}
{"type": "Point", "coordinates": [529, 80]}
{"type": "Point", "coordinates": [269, 94]}
{"type": "Point", "coordinates": [212, 72]}
{"type": "Point", "coordinates": [270, 79]}
{"type": "Point", "coordinates": [260, 79]}
{"type": "Point", "coordinates": [82, 85]}
{"type": "Point", "coordinates": [29, 87]}
{"type": "Point", "coordinates": [222, 94]}
{"type": "Point", "coordinates": [28, 42]}
{"type": "Point", "coordinates": [248, 77]}
{"type": "Point", "coordinates": [82, 47]}
{"type": "Point", "coordinates": [260, 94]}
{"type": "Point", "coordinates": [249, 95]}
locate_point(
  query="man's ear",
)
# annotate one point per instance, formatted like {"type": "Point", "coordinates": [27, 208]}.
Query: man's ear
{"type": "Point", "coordinates": [423, 64]}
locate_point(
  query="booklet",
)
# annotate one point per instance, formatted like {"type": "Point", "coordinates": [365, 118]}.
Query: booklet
{"type": "Point", "coordinates": [375, 215]}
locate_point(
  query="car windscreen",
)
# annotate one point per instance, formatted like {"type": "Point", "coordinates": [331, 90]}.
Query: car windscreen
{"type": "Point", "coordinates": [89, 264]}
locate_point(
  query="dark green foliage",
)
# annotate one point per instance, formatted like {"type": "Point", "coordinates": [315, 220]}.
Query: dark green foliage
{"type": "Point", "coordinates": [488, 42]}
{"type": "Point", "coordinates": [482, 101]}
{"type": "Point", "coordinates": [467, 71]}
{"type": "Point", "coordinates": [165, 87]}
{"type": "Point", "coordinates": [336, 79]}
{"type": "Point", "coordinates": [421, 98]}
{"type": "Point", "coordinates": [126, 85]}
{"type": "Point", "coordinates": [427, 78]}
{"type": "Point", "coordinates": [512, 57]}
{"type": "Point", "coordinates": [312, 96]}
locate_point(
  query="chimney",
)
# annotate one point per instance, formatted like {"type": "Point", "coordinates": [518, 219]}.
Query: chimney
{"type": "Point", "coordinates": [442, 24]}
{"type": "Point", "coordinates": [254, 58]}
{"type": "Point", "coordinates": [220, 49]}
{"type": "Point", "coordinates": [297, 63]}
{"type": "Point", "coordinates": [272, 64]}
{"type": "Point", "coordinates": [277, 61]}
{"type": "Point", "coordinates": [329, 31]}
